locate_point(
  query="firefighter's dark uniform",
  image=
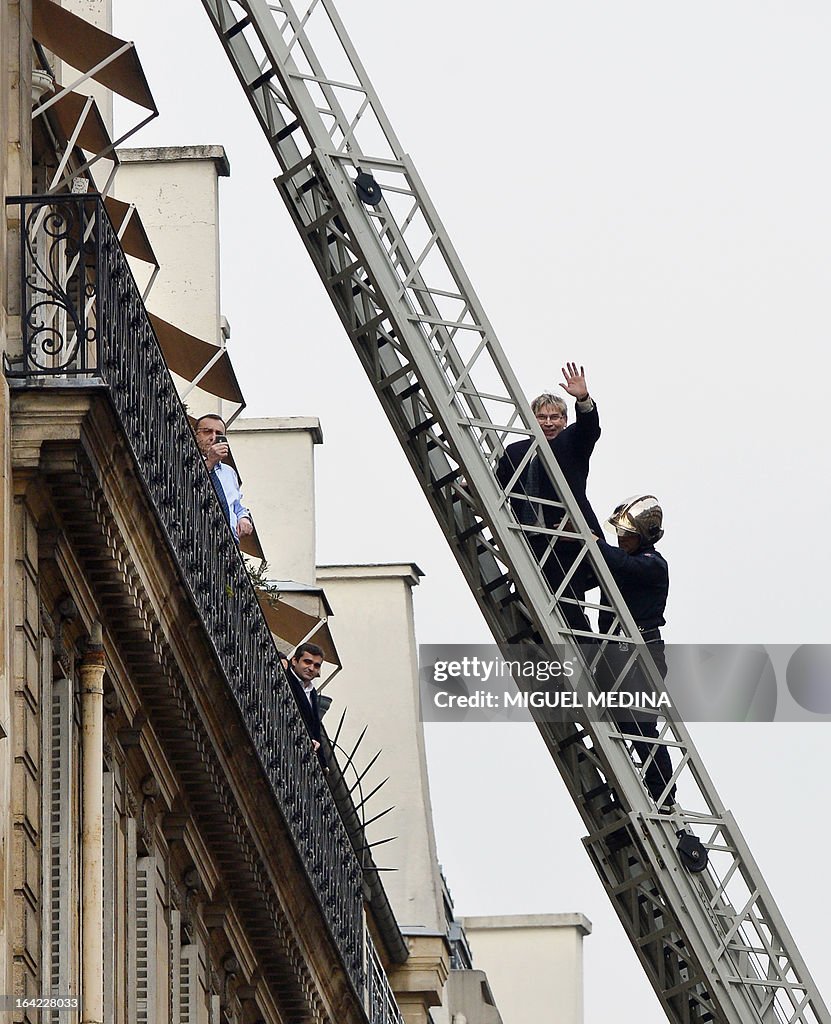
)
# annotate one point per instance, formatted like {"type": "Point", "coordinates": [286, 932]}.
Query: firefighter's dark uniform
{"type": "Point", "coordinates": [643, 579]}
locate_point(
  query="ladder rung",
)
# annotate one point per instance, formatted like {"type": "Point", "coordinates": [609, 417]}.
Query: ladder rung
{"type": "Point", "coordinates": [448, 478]}
{"type": "Point", "coordinates": [617, 840]}
{"type": "Point", "coordinates": [235, 30]}
{"type": "Point", "coordinates": [525, 634]}
{"type": "Point", "coordinates": [471, 531]}
{"type": "Point", "coordinates": [285, 132]}
{"type": "Point", "coordinates": [496, 583]}
{"type": "Point", "coordinates": [265, 77]}
{"type": "Point", "coordinates": [420, 428]}
{"type": "Point", "coordinates": [314, 226]}
{"type": "Point", "coordinates": [308, 185]}
{"type": "Point", "coordinates": [576, 737]}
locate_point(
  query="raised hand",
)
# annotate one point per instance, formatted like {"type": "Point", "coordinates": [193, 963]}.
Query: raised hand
{"type": "Point", "coordinates": [575, 382]}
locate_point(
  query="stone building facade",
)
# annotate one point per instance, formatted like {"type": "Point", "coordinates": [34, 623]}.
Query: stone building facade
{"type": "Point", "coordinates": [171, 849]}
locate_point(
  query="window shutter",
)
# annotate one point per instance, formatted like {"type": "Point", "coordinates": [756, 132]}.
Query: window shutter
{"type": "Point", "coordinates": [146, 940]}
{"type": "Point", "coordinates": [110, 825]}
{"type": "Point", "coordinates": [131, 887]}
{"type": "Point", "coordinates": [60, 849]}
{"type": "Point", "coordinates": [189, 984]}
{"type": "Point", "coordinates": [175, 960]}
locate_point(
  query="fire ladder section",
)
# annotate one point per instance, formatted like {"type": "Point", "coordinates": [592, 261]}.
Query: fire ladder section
{"type": "Point", "coordinates": [684, 884]}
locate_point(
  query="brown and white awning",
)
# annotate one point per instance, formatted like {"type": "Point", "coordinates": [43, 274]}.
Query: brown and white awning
{"type": "Point", "coordinates": [97, 55]}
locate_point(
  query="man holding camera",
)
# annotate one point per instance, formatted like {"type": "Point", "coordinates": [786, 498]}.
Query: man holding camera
{"type": "Point", "coordinates": [212, 442]}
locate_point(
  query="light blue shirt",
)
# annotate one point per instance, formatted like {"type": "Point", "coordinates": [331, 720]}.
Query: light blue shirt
{"type": "Point", "coordinates": [233, 495]}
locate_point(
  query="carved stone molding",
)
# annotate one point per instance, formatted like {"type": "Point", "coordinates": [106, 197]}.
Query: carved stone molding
{"type": "Point", "coordinates": [130, 801]}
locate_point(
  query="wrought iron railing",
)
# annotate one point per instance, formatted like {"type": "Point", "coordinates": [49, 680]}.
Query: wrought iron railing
{"type": "Point", "coordinates": [381, 1007]}
{"type": "Point", "coordinates": [60, 267]}
{"type": "Point", "coordinates": [83, 321]}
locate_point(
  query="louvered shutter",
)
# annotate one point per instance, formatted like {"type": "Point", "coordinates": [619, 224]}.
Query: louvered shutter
{"type": "Point", "coordinates": [145, 940]}
{"type": "Point", "coordinates": [189, 987]}
{"type": "Point", "coordinates": [60, 849]}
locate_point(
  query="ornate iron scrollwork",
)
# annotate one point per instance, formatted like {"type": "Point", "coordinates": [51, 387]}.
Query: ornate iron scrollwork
{"type": "Point", "coordinates": [59, 317]}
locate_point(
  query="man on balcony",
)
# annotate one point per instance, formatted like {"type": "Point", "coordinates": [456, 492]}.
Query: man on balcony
{"type": "Point", "coordinates": [210, 437]}
{"type": "Point", "coordinates": [304, 668]}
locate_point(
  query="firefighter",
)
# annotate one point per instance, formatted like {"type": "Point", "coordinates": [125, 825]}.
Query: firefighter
{"type": "Point", "coordinates": [642, 575]}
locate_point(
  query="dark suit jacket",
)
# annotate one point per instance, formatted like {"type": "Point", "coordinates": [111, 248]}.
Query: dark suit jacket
{"type": "Point", "coordinates": [572, 449]}
{"type": "Point", "coordinates": [643, 579]}
{"type": "Point", "coordinates": [309, 711]}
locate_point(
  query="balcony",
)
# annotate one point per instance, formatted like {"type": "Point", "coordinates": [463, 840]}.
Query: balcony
{"type": "Point", "coordinates": [84, 327]}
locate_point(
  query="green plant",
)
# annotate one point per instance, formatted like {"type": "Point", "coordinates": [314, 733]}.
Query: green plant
{"type": "Point", "coordinates": [258, 574]}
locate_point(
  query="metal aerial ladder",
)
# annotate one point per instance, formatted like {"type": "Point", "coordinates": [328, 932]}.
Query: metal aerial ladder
{"type": "Point", "coordinates": [712, 941]}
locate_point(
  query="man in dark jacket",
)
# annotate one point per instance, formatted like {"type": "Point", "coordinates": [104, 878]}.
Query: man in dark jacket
{"type": "Point", "coordinates": [642, 576]}
{"type": "Point", "coordinates": [572, 447]}
{"type": "Point", "coordinates": [304, 668]}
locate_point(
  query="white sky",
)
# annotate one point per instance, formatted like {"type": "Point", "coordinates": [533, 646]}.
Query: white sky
{"type": "Point", "coordinates": [638, 186]}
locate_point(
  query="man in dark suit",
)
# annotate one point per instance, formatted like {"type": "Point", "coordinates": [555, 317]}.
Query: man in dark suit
{"type": "Point", "coordinates": [572, 447]}
{"type": "Point", "coordinates": [304, 668]}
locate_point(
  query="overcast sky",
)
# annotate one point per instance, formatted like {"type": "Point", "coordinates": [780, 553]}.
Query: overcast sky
{"type": "Point", "coordinates": [638, 186]}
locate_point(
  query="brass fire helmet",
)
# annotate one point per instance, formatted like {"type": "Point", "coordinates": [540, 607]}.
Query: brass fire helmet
{"type": "Point", "coordinates": [640, 515]}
